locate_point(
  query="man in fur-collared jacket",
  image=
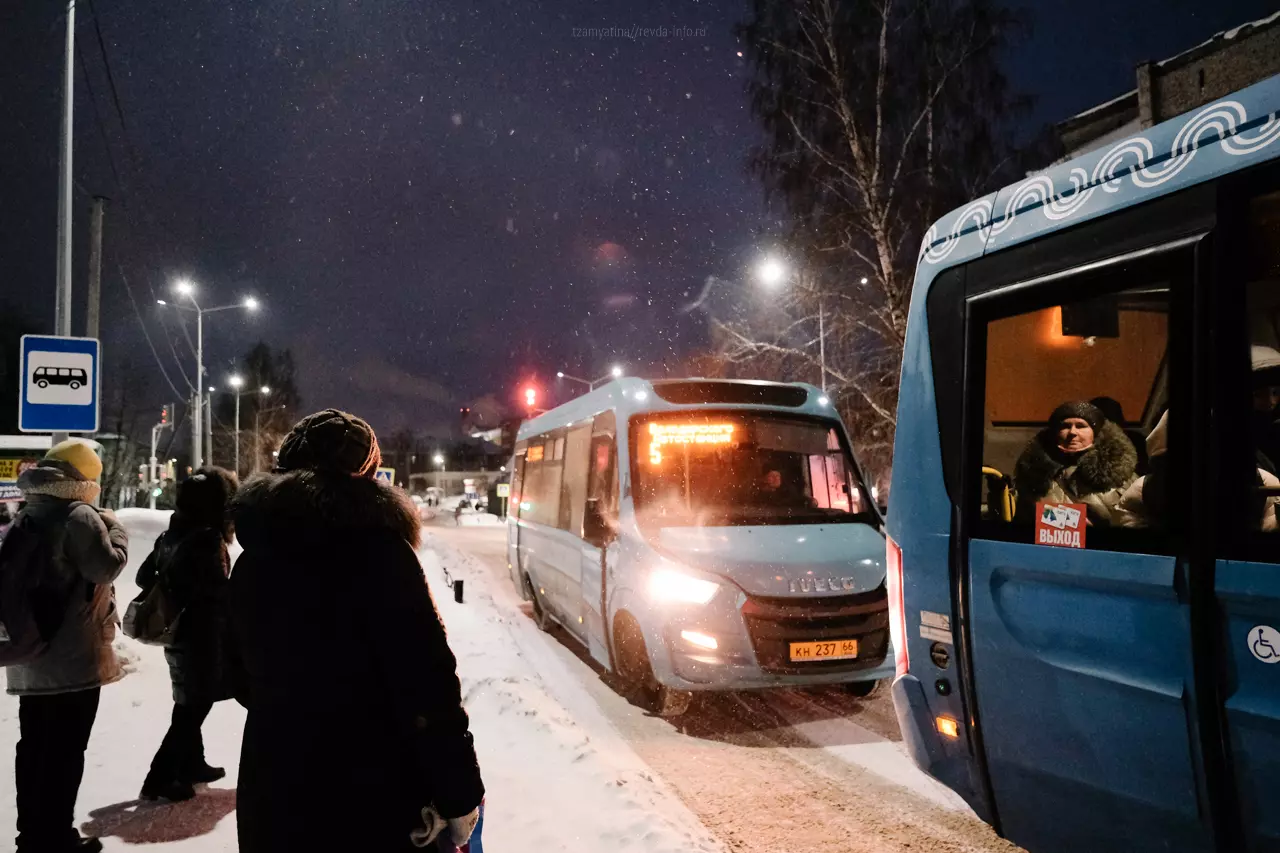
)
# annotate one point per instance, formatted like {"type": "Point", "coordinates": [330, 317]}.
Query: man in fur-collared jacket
{"type": "Point", "coordinates": [355, 723]}
{"type": "Point", "coordinates": [1080, 457]}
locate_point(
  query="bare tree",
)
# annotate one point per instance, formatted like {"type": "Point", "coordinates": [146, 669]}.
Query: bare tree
{"type": "Point", "coordinates": [880, 115]}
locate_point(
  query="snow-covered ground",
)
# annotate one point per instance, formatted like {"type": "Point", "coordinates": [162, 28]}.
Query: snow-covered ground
{"type": "Point", "coordinates": [559, 776]}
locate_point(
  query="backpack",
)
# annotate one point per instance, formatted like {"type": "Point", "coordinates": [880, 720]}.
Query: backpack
{"type": "Point", "coordinates": [31, 609]}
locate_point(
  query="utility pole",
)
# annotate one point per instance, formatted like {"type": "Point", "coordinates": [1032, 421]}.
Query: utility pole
{"type": "Point", "coordinates": [62, 306]}
{"type": "Point", "coordinates": [208, 428]}
{"type": "Point", "coordinates": [93, 313]}
{"type": "Point", "coordinates": [197, 427]}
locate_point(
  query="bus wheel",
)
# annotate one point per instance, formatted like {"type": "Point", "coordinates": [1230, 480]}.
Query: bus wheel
{"type": "Point", "coordinates": [635, 674]}
{"type": "Point", "coordinates": [864, 689]}
{"type": "Point", "coordinates": [541, 617]}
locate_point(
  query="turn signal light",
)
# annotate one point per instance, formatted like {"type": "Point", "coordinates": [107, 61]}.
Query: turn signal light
{"type": "Point", "coordinates": [897, 605]}
{"type": "Point", "coordinates": [948, 727]}
{"type": "Point", "coordinates": [698, 638]}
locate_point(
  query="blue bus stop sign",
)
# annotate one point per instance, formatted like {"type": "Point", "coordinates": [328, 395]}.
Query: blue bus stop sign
{"type": "Point", "coordinates": [61, 384]}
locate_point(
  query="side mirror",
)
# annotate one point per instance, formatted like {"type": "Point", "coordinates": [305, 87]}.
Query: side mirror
{"type": "Point", "coordinates": [595, 528]}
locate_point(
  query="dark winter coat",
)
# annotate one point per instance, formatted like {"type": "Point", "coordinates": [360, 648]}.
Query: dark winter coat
{"type": "Point", "coordinates": [191, 561]}
{"type": "Point", "coordinates": [355, 716]}
{"type": "Point", "coordinates": [1097, 477]}
{"type": "Point", "coordinates": [90, 548]}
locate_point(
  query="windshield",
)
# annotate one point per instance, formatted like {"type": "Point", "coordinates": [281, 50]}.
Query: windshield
{"type": "Point", "coordinates": [716, 469]}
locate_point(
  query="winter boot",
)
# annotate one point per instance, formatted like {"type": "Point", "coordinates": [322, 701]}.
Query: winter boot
{"type": "Point", "coordinates": [172, 792]}
{"type": "Point", "coordinates": [203, 774]}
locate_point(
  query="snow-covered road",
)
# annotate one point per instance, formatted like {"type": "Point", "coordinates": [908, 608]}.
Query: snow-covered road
{"type": "Point", "coordinates": [789, 770]}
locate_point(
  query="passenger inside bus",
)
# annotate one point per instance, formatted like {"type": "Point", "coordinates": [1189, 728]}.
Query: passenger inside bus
{"type": "Point", "coordinates": [1079, 457]}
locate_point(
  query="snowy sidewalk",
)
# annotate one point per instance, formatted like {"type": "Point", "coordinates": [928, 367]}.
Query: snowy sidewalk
{"type": "Point", "coordinates": [559, 776]}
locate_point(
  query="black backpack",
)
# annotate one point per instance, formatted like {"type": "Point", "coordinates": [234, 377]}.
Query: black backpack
{"type": "Point", "coordinates": [31, 607]}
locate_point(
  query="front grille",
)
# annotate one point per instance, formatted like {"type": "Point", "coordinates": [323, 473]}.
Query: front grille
{"type": "Point", "coordinates": [775, 623]}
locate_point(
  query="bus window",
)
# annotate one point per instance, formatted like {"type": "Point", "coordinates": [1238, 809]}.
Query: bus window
{"type": "Point", "coordinates": [573, 489]}
{"type": "Point", "coordinates": [742, 469]}
{"type": "Point", "coordinates": [1075, 394]}
{"type": "Point", "coordinates": [1263, 304]}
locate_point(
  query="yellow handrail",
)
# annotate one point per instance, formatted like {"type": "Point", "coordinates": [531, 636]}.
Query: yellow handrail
{"type": "Point", "coordinates": [1000, 486]}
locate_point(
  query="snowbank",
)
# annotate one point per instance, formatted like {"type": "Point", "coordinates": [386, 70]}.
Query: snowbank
{"type": "Point", "coordinates": [559, 776]}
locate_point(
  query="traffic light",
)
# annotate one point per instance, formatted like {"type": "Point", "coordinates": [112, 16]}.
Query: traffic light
{"type": "Point", "coordinates": [166, 414]}
{"type": "Point", "coordinates": [530, 397]}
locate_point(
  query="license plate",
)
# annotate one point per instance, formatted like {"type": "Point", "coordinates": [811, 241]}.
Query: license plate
{"type": "Point", "coordinates": [825, 650]}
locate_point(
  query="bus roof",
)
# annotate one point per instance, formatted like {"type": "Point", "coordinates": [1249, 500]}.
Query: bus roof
{"type": "Point", "coordinates": [1228, 135]}
{"type": "Point", "coordinates": [629, 395]}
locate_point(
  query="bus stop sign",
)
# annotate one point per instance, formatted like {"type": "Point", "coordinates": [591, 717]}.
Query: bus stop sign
{"type": "Point", "coordinates": [60, 384]}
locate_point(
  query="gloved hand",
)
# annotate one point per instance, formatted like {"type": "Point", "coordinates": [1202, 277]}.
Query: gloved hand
{"type": "Point", "coordinates": [460, 828]}
{"type": "Point", "coordinates": [432, 826]}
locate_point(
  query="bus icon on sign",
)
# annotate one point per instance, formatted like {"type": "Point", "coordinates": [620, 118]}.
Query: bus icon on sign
{"type": "Point", "coordinates": [60, 378]}
{"type": "Point", "coordinates": [73, 377]}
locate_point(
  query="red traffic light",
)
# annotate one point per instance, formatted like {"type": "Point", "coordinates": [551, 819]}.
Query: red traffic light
{"type": "Point", "coordinates": [530, 397]}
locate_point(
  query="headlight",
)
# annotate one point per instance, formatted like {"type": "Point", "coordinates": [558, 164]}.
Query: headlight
{"type": "Point", "coordinates": [675, 586]}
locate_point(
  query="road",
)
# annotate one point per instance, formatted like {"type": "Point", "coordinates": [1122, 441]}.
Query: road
{"type": "Point", "coordinates": [813, 770]}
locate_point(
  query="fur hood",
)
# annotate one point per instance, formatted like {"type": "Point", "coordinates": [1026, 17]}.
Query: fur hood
{"type": "Point", "coordinates": [1109, 464]}
{"type": "Point", "coordinates": [316, 505]}
{"type": "Point", "coordinates": [50, 479]}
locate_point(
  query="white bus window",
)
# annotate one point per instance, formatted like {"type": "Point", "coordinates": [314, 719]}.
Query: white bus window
{"type": "Point", "coordinates": [573, 489]}
{"type": "Point", "coordinates": [742, 469]}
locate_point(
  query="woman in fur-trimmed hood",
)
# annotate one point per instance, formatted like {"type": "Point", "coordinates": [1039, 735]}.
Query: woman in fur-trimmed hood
{"type": "Point", "coordinates": [1079, 457]}
{"type": "Point", "coordinates": [355, 722]}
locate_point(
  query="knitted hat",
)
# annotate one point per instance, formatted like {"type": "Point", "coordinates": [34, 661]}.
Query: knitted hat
{"type": "Point", "coordinates": [331, 441]}
{"type": "Point", "coordinates": [76, 457]}
{"type": "Point", "coordinates": [1087, 412]}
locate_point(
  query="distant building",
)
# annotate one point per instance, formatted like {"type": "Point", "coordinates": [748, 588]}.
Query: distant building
{"type": "Point", "coordinates": [1227, 62]}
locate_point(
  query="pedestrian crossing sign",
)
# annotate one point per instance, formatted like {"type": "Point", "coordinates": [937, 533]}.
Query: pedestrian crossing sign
{"type": "Point", "coordinates": [386, 475]}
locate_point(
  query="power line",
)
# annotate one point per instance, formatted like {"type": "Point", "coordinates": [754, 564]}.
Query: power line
{"type": "Point", "coordinates": [134, 302]}
{"type": "Point", "coordinates": [97, 118]}
{"type": "Point", "coordinates": [111, 80]}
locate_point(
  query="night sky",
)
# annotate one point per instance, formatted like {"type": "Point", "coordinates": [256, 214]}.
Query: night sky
{"type": "Point", "coordinates": [435, 201]}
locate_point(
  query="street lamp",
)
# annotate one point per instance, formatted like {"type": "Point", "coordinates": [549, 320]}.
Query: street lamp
{"type": "Point", "coordinates": [615, 372]}
{"type": "Point", "coordinates": [257, 429]}
{"type": "Point", "coordinates": [236, 383]}
{"type": "Point", "coordinates": [185, 288]}
{"type": "Point", "coordinates": [772, 272]}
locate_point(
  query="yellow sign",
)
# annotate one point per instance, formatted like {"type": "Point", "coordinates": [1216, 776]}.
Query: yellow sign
{"type": "Point", "coordinates": [9, 470]}
{"type": "Point", "coordinates": [687, 435]}
{"type": "Point", "coordinates": [535, 453]}
{"type": "Point", "coordinates": [386, 475]}
{"type": "Point", "coordinates": [504, 490]}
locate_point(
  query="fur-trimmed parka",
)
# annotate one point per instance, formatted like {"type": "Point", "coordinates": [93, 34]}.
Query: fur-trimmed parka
{"type": "Point", "coordinates": [1097, 477]}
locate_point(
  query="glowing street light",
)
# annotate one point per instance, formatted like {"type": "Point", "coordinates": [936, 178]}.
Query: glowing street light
{"type": "Point", "coordinates": [772, 272]}
{"type": "Point", "coordinates": [185, 287]}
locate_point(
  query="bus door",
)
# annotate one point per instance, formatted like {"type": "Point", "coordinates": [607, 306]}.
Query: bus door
{"type": "Point", "coordinates": [1246, 645]}
{"type": "Point", "coordinates": [1080, 631]}
{"type": "Point", "coordinates": [599, 548]}
{"type": "Point", "coordinates": [513, 516]}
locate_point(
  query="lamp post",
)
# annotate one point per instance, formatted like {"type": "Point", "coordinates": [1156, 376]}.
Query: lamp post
{"type": "Point", "coordinates": [772, 272]}
{"type": "Point", "coordinates": [236, 383]}
{"type": "Point", "coordinates": [257, 431]}
{"type": "Point", "coordinates": [438, 459]}
{"type": "Point", "coordinates": [185, 288]}
{"type": "Point", "coordinates": [615, 372]}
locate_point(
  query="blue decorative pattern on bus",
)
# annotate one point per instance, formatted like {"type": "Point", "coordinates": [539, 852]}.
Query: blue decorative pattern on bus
{"type": "Point", "coordinates": [1222, 137]}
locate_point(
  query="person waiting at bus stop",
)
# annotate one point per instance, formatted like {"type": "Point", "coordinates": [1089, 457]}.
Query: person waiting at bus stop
{"type": "Point", "coordinates": [1079, 457]}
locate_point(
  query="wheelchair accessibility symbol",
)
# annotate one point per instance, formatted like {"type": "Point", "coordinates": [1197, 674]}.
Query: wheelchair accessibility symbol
{"type": "Point", "coordinates": [1264, 642]}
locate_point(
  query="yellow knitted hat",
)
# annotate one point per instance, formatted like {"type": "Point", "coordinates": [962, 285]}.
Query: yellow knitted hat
{"type": "Point", "coordinates": [79, 454]}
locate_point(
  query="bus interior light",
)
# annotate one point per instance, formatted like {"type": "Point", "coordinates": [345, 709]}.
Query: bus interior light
{"type": "Point", "coordinates": [948, 727]}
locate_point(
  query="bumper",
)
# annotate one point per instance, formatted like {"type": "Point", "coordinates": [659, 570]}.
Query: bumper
{"type": "Point", "coordinates": [752, 638]}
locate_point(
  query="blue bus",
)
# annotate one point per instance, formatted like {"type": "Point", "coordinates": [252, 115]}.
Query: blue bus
{"type": "Point", "coordinates": [702, 535]}
{"type": "Point", "coordinates": [1083, 563]}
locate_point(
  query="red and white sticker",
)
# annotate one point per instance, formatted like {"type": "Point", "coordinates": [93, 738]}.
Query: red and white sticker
{"type": "Point", "coordinates": [1060, 525]}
